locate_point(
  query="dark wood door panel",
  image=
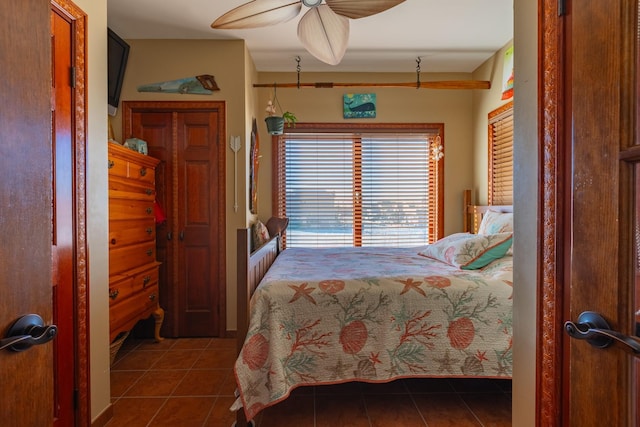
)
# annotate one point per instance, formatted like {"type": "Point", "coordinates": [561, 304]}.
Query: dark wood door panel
{"type": "Point", "coordinates": [186, 137]}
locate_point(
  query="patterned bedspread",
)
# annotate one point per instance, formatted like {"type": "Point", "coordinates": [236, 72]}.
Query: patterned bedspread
{"type": "Point", "coordinates": [326, 316]}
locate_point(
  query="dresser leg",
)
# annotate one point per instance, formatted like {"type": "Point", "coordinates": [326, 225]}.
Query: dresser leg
{"type": "Point", "coordinates": [158, 315]}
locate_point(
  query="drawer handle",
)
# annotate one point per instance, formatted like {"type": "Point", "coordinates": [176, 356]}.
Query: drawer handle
{"type": "Point", "coordinates": [113, 294]}
{"type": "Point", "coordinates": [113, 241]}
{"type": "Point", "coordinates": [152, 297]}
{"type": "Point", "coordinates": [110, 164]}
{"type": "Point", "coordinates": [148, 191]}
{"type": "Point", "coordinates": [149, 252]}
{"type": "Point", "coordinates": [149, 211]}
{"type": "Point", "coordinates": [146, 280]}
{"type": "Point", "coordinates": [149, 231]}
{"type": "Point", "coordinates": [143, 171]}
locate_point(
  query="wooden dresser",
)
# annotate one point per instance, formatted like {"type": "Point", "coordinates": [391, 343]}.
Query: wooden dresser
{"type": "Point", "coordinates": [133, 269]}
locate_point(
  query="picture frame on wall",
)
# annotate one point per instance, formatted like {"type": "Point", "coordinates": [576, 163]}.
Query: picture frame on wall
{"type": "Point", "coordinates": [359, 106]}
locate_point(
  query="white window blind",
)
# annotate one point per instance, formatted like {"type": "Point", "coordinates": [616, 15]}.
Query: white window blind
{"type": "Point", "coordinates": [501, 155]}
{"type": "Point", "coordinates": [348, 189]}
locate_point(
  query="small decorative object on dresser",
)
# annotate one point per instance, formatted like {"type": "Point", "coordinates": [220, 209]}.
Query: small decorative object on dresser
{"type": "Point", "coordinates": [133, 269]}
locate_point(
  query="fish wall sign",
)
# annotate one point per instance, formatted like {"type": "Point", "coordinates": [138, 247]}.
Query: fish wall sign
{"type": "Point", "coordinates": [203, 84]}
{"type": "Point", "coordinates": [359, 106]}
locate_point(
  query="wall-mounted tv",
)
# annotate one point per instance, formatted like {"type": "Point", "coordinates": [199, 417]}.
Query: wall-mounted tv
{"type": "Point", "coordinates": [118, 54]}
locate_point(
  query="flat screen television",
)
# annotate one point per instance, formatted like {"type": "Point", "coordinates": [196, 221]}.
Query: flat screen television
{"type": "Point", "coordinates": [118, 54]}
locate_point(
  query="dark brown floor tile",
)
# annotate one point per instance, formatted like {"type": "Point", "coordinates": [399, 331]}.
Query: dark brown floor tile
{"type": "Point", "coordinates": [393, 387]}
{"type": "Point", "coordinates": [191, 344]}
{"type": "Point", "coordinates": [177, 359]}
{"type": "Point", "coordinates": [229, 384]}
{"type": "Point", "coordinates": [153, 345]}
{"type": "Point", "coordinates": [445, 410]}
{"type": "Point", "coordinates": [137, 360]}
{"type": "Point", "coordinates": [184, 412]}
{"type": "Point", "coordinates": [342, 411]}
{"type": "Point", "coordinates": [493, 410]}
{"type": "Point", "coordinates": [293, 412]}
{"type": "Point", "coordinates": [134, 412]}
{"type": "Point", "coordinates": [217, 343]}
{"type": "Point", "coordinates": [474, 385]}
{"type": "Point", "coordinates": [156, 383]}
{"type": "Point", "coordinates": [122, 380]}
{"type": "Point", "coordinates": [394, 410]}
{"type": "Point", "coordinates": [201, 382]}
{"type": "Point", "coordinates": [218, 358]}
{"type": "Point", "coordinates": [428, 385]}
{"type": "Point", "coordinates": [345, 388]}
{"type": "Point", "coordinates": [221, 415]}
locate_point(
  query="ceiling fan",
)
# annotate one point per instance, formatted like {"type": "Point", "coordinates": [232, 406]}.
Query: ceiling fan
{"type": "Point", "coordinates": [323, 30]}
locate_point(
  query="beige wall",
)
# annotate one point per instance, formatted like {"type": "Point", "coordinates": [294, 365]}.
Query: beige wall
{"type": "Point", "coordinates": [525, 182]}
{"type": "Point", "coordinates": [152, 61]}
{"type": "Point", "coordinates": [394, 105]}
{"type": "Point", "coordinates": [483, 103]}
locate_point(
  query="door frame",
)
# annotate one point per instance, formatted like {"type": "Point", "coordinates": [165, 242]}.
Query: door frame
{"type": "Point", "coordinates": [551, 145]}
{"type": "Point", "coordinates": [79, 141]}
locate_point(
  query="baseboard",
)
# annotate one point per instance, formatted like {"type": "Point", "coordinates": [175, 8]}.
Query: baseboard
{"type": "Point", "coordinates": [231, 334]}
{"type": "Point", "coordinates": [102, 419]}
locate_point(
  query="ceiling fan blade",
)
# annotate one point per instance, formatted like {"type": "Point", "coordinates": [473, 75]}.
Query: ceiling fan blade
{"type": "Point", "coordinates": [361, 8]}
{"type": "Point", "coordinates": [324, 34]}
{"type": "Point", "coordinates": [258, 13]}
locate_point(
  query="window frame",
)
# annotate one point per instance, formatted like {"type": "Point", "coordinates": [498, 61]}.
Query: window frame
{"type": "Point", "coordinates": [436, 230]}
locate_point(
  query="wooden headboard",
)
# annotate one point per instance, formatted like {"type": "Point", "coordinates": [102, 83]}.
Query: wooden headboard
{"type": "Point", "coordinates": [473, 213]}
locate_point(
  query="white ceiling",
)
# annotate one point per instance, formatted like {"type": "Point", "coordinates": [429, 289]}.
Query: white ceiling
{"type": "Point", "coordinates": [448, 35]}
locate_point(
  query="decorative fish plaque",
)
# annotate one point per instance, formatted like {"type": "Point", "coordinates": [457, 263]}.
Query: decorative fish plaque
{"type": "Point", "coordinates": [203, 84]}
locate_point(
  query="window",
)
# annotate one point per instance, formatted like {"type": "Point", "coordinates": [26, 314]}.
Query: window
{"type": "Point", "coordinates": [360, 185]}
{"type": "Point", "coordinates": [501, 155]}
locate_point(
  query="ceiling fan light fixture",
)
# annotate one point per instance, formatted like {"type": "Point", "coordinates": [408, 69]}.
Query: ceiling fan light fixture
{"type": "Point", "coordinates": [311, 3]}
{"type": "Point", "coordinates": [324, 34]}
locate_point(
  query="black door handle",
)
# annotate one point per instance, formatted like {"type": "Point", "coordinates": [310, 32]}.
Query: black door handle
{"type": "Point", "coordinates": [595, 330]}
{"type": "Point", "coordinates": [27, 331]}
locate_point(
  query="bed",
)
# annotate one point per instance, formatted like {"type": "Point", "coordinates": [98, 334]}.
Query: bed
{"type": "Point", "coordinates": [334, 315]}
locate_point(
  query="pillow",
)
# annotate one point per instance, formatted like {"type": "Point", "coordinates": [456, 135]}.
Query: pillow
{"type": "Point", "coordinates": [259, 234]}
{"type": "Point", "coordinates": [496, 222]}
{"type": "Point", "coordinates": [469, 251]}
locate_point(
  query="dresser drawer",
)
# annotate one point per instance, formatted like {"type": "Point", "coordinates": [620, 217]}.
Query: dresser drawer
{"type": "Point", "coordinates": [124, 233]}
{"type": "Point", "coordinates": [130, 209]}
{"type": "Point", "coordinates": [131, 170]}
{"type": "Point", "coordinates": [122, 286]}
{"type": "Point", "coordinates": [138, 306]}
{"type": "Point", "coordinates": [129, 257]}
{"type": "Point", "coordinates": [125, 188]}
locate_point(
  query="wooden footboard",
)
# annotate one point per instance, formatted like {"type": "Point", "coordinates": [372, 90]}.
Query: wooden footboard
{"type": "Point", "coordinates": [251, 269]}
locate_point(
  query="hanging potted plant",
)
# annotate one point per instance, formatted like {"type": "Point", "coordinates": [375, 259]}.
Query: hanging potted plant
{"type": "Point", "coordinates": [275, 124]}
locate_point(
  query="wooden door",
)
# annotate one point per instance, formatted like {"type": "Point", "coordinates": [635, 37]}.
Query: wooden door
{"type": "Point", "coordinates": [63, 246]}
{"type": "Point", "coordinates": [189, 139]}
{"type": "Point", "coordinates": [25, 207]}
{"type": "Point", "coordinates": [594, 195]}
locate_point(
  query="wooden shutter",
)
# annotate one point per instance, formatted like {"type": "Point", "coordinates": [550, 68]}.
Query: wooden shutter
{"type": "Point", "coordinates": [501, 155]}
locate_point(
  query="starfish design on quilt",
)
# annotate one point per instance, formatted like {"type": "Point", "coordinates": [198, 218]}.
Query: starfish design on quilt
{"type": "Point", "coordinates": [446, 363]}
{"type": "Point", "coordinates": [302, 291]}
{"type": "Point", "coordinates": [411, 284]}
{"type": "Point", "coordinates": [340, 370]}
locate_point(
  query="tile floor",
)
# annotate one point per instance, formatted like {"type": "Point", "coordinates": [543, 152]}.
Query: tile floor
{"type": "Point", "coordinates": [189, 382]}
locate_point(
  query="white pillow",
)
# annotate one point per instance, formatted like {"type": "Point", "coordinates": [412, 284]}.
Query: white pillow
{"type": "Point", "coordinates": [496, 222]}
